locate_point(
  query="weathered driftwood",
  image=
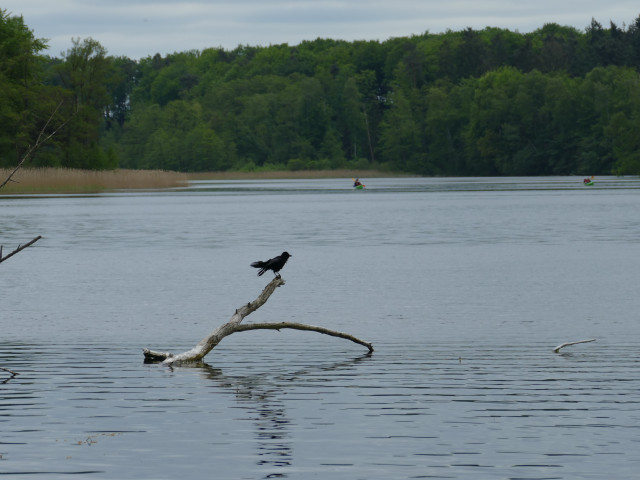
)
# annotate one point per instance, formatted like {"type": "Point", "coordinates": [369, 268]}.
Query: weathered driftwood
{"type": "Point", "coordinates": [207, 344]}
{"type": "Point", "coordinates": [301, 326]}
{"type": "Point", "coordinates": [562, 345]}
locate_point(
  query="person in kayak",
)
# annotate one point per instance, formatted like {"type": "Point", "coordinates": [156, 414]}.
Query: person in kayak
{"type": "Point", "coordinates": [357, 182]}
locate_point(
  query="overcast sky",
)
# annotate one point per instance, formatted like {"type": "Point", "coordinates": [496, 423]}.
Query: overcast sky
{"type": "Point", "coordinates": [139, 28]}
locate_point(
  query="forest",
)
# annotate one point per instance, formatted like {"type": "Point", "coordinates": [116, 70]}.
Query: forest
{"type": "Point", "coordinates": [556, 101]}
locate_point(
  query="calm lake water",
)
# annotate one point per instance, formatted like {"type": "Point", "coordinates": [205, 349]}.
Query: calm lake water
{"type": "Point", "coordinates": [464, 287]}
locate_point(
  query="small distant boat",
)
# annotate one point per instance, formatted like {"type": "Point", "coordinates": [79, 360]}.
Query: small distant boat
{"type": "Point", "coordinates": [357, 184]}
{"type": "Point", "coordinates": [587, 182]}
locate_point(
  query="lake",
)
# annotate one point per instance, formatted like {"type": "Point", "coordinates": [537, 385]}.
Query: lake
{"type": "Point", "coordinates": [464, 286]}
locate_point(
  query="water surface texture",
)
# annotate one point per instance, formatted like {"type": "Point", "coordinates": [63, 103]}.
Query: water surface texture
{"type": "Point", "coordinates": [464, 287]}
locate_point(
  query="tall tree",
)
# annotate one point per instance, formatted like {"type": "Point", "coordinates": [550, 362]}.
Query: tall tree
{"type": "Point", "coordinates": [25, 104]}
{"type": "Point", "coordinates": [401, 138]}
{"type": "Point", "coordinates": [85, 73]}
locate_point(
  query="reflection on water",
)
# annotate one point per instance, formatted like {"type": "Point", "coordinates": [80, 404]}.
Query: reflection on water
{"type": "Point", "coordinates": [464, 286]}
{"type": "Point", "coordinates": [452, 410]}
{"type": "Point", "coordinates": [264, 400]}
{"type": "Point", "coordinates": [409, 185]}
{"type": "Point", "coordinates": [268, 414]}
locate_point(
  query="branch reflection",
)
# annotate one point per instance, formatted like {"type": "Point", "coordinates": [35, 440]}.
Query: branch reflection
{"type": "Point", "coordinates": [261, 396]}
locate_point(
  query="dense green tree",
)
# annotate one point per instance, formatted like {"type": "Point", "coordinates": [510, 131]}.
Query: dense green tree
{"type": "Point", "coordinates": [401, 138]}
{"type": "Point", "coordinates": [472, 102]}
{"type": "Point", "coordinates": [25, 103]}
{"type": "Point", "coordinates": [131, 147]}
{"type": "Point", "coordinates": [626, 143]}
{"type": "Point", "coordinates": [206, 151]}
{"type": "Point", "coordinates": [559, 119]}
{"type": "Point", "coordinates": [351, 119]}
{"type": "Point", "coordinates": [84, 74]}
{"type": "Point", "coordinates": [515, 107]}
{"type": "Point", "coordinates": [120, 83]}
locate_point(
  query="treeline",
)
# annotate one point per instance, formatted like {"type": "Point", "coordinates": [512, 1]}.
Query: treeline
{"type": "Point", "coordinates": [489, 102]}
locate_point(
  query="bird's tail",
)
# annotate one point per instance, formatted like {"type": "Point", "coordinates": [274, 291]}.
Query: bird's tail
{"type": "Point", "coordinates": [259, 265]}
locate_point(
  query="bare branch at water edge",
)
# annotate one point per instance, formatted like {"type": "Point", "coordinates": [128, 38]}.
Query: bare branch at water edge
{"type": "Point", "coordinates": [42, 138]}
{"type": "Point", "coordinates": [19, 249]}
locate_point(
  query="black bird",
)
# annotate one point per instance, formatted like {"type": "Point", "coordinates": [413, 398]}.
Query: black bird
{"type": "Point", "coordinates": [275, 264]}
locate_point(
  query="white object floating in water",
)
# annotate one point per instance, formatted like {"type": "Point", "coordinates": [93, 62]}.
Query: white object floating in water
{"type": "Point", "coordinates": [557, 349]}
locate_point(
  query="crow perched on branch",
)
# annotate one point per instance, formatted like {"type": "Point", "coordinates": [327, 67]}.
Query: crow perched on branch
{"type": "Point", "coordinates": [275, 264]}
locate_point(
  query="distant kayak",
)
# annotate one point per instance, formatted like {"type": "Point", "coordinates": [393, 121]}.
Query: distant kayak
{"type": "Point", "coordinates": [357, 184]}
{"type": "Point", "coordinates": [587, 184]}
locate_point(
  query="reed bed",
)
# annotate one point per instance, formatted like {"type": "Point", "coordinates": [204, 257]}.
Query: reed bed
{"type": "Point", "coordinates": [67, 180]}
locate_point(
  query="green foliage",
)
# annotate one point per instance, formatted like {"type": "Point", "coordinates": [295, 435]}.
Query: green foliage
{"type": "Point", "coordinates": [473, 102]}
{"type": "Point", "coordinates": [24, 101]}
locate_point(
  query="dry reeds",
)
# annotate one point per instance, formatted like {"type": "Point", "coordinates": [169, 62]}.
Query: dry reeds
{"type": "Point", "coordinates": [67, 180]}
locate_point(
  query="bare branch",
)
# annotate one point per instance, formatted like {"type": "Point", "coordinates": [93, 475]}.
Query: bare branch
{"type": "Point", "coordinates": [19, 249]}
{"type": "Point", "coordinates": [557, 349]}
{"type": "Point", "coordinates": [301, 326]}
{"type": "Point", "coordinates": [197, 353]}
{"type": "Point", "coordinates": [13, 374]}
{"type": "Point", "coordinates": [42, 138]}
{"type": "Point", "coordinates": [39, 142]}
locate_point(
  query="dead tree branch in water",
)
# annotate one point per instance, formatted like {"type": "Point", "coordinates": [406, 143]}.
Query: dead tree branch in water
{"type": "Point", "coordinates": [19, 249]}
{"type": "Point", "coordinates": [207, 344]}
{"type": "Point", "coordinates": [10, 372]}
{"type": "Point", "coordinates": [562, 345]}
{"type": "Point", "coordinates": [301, 326]}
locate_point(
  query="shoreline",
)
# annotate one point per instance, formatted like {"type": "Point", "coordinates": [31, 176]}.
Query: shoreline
{"type": "Point", "coordinates": [292, 174]}
{"type": "Point", "coordinates": [68, 180]}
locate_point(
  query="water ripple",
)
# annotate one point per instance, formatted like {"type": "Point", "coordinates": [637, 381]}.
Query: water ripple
{"type": "Point", "coordinates": [501, 411]}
